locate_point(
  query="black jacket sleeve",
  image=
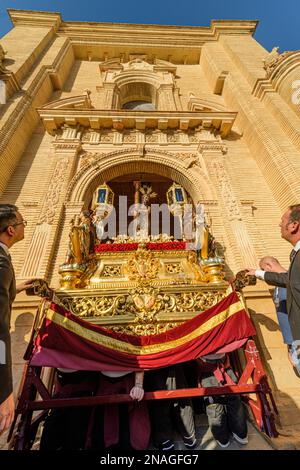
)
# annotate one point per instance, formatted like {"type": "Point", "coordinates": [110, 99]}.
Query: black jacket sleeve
{"type": "Point", "coordinates": [276, 279]}
{"type": "Point", "coordinates": [6, 277]}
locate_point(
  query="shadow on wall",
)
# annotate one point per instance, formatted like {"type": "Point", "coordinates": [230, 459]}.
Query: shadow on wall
{"type": "Point", "coordinates": [264, 321]}
{"type": "Point", "coordinates": [289, 406]}
{"type": "Point", "coordinates": [233, 136]}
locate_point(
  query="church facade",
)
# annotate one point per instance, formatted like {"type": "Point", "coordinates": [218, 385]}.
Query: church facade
{"type": "Point", "coordinates": [205, 107]}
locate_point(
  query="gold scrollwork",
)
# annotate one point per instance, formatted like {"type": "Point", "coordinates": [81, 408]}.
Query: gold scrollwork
{"type": "Point", "coordinates": [96, 306]}
{"type": "Point", "coordinates": [142, 266]}
{"type": "Point", "coordinates": [144, 329]}
{"type": "Point", "coordinates": [112, 270]}
{"type": "Point", "coordinates": [143, 303]}
{"type": "Point", "coordinates": [173, 268]}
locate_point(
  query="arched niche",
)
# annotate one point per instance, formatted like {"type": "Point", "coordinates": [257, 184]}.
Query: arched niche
{"type": "Point", "coordinates": [136, 92]}
{"type": "Point", "coordinates": [125, 162]}
{"type": "Point", "coordinates": [139, 80]}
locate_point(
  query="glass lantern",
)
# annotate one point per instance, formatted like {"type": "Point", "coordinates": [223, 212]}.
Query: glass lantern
{"type": "Point", "coordinates": [103, 200]}
{"type": "Point", "coordinates": [177, 198]}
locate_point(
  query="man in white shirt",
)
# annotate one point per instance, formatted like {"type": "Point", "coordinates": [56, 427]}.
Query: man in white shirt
{"type": "Point", "coordinates": [290, 231]}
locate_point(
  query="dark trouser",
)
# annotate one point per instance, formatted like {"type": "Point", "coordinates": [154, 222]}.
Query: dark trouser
{"type": "Point", "coordinates": [66, 428]}
{"type": "Point", "coordinates": [169, 414]}
{"type": "Point", "coordinates": [124, 430]}
{"type": "Point", "coordinates": [226, 414]}
{"type": "Point", "coordinates": [120, 426]}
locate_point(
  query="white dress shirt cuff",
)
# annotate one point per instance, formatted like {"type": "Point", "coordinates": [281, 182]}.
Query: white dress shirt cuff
{"type": "Point", "coordinates": [260, 274]}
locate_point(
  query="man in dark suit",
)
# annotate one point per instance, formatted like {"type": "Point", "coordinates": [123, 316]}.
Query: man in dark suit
{"type": "Point", "coordinates": [11, 231]}
{"type": "Point", "coordinates": [290, 231]}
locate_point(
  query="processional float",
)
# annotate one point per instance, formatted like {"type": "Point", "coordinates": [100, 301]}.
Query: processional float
{"type": "Point", "coordinates": [139, 302]}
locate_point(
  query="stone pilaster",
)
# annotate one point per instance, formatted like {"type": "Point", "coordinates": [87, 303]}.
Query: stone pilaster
{"type": "Point", "coordinates": [166, 101]}
{"type": "Point", "coordinates": [43, 246]}
{"type": "Point", "coordinates": [269, 145]}
{"type": "Point", "coordinates": [235, 230]}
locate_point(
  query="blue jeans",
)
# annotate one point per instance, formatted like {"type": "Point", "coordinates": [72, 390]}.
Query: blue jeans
{"type": "Point", "coordinates": [226, 413]}
{"type": "Point", "coordinates": [295, 350]}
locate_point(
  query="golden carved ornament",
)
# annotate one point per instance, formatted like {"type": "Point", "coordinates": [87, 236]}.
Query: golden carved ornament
{"type": "Point", "coordinates": [144, 303]}
{"type": "Point", "coordinates": [142, 266]}
{"type": "Point", "coordinates": [101, 306]}
{"type": "Point", "coordinates": [144, 329]}
{"type": "Point", "coordinates": [173, 268]}
{"type": "Point", "coordinates": [197, 269]}
{"type": "Point", "coordinates": [112, 270]}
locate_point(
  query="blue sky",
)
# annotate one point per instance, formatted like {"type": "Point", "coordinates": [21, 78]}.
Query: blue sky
{"type": "Point", "coordinates": [279, 20]}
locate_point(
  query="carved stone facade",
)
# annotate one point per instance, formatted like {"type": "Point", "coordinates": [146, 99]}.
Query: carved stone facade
{"type": "Point", "coordinates": [212, 121]}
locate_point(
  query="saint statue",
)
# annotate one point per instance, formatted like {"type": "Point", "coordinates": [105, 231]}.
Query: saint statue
{"type": "Point", "coordinates": [79, 239]}
{"type": "Point", "coordinates": [99, 223]}
{"type": "Point", "coordinates": [199, 226]}
{"type": "Point", "coordinates": [85, 233]}
{"type": "Point", "coordinates": [142, 211]}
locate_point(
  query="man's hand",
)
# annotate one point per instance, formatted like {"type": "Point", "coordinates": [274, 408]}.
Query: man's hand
{"type": "Point", "coordinates": [7, 412]}
{"type": "Point", "coordinates": [137, 393]}
{"type": "Point", "coordinates": [250, 272]}
{"type": "Point", "coordinates": [24, 285]}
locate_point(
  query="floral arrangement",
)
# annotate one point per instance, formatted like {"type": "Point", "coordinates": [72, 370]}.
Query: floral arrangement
{"type": "Point", "coordinates": [159, 246]}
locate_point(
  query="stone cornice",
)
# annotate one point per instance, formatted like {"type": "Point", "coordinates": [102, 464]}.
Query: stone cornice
{"type": "Point", "coordinates": [53, 119]}
{"type": "Point", "coordinates": [194, 35]}
{"type": "Point", "coordinates": [35, 18]}
{"type": "Point", "coordinates": [261, 87]}
{"type": "Point", "coordinates": [233, 27]}
{"type": "Point", "coordinates": [129, 34]}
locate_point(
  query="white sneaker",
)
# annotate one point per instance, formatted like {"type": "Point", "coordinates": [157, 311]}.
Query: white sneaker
{"type": "Point", "coordinates": [167, 445]}
{"type": "Point", "coordinates": [240, 440]}
{"type": "Point", "coordinates": [223, 445]}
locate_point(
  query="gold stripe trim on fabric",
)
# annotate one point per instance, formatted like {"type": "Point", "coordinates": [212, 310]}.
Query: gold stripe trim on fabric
{"type": "Point", "coordinates": [122, 346]}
